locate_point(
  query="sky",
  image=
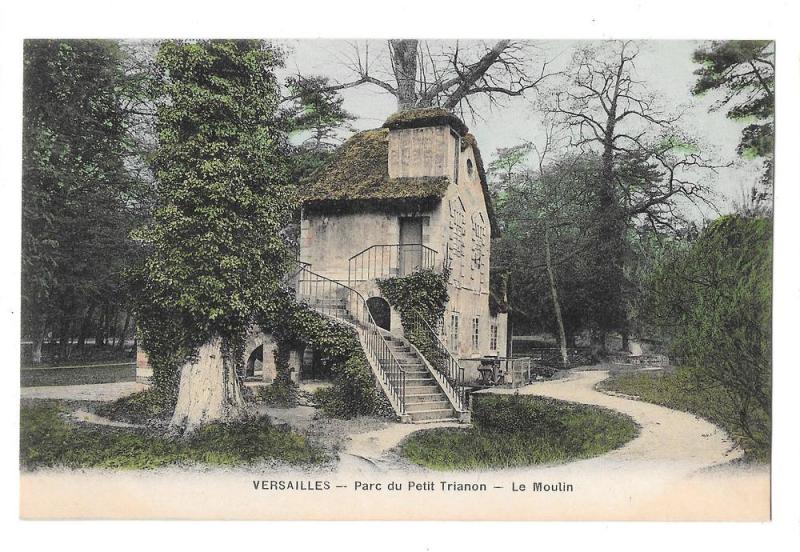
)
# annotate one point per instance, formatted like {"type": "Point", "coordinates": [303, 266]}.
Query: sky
{"type": "Point", "coordinates": [665, 66]}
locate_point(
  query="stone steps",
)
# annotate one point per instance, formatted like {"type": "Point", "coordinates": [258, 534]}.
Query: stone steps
{"type": "Point", "coordinates": [425, 402]}
{"type": "Point", "coordinates": [428, 406]}
{"type": "Point", "coordinates": [434, 415]}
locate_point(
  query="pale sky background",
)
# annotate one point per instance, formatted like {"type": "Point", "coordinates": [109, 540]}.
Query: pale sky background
{"type": "Point", "coordinates": [665, 66]}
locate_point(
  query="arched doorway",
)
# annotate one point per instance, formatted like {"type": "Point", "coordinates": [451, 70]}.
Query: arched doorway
{"type": "Point", "coordinates": [255, 363]}
{"type": "Point", "coordinates": [381, 312]}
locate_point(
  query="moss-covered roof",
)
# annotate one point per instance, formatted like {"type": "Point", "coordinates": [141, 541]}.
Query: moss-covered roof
{"type": "Point", "coordinates": [357, 177]}
{"type": "Point", "coordinates": [425, 117]}
{"type": "Point", "coordinates": [359, 173]}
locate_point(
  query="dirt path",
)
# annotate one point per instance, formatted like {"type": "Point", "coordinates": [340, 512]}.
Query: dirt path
{"type": "Point", "coordinates": [676, 469]}
{"type": "Point", "coordinates": [87, 392]}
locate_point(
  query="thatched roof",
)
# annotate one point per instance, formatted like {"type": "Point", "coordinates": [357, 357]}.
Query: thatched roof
{"type": "Point", "coordinates": [358, 175]}
{"type": "Point", "coordinates": [425, 117]}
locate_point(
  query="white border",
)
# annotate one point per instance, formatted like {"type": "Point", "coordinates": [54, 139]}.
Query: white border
{"type": "Point", "coordinates": [678, 19]}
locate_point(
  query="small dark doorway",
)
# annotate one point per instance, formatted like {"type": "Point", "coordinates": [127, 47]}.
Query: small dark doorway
{"type": "Point", "coordinates": [381, 312]}
{"type": "Point", "coordinates": [254, 362]}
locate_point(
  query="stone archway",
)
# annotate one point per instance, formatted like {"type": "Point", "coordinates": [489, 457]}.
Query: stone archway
{"type": "Point", "coordinates": [259, 355]}
{"type": "Point", "coordinates": [255, 363]}
{"type": "Point", "coordinates": [381, 312]}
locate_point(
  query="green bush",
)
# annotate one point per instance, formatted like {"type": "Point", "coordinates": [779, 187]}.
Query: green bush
{"type": "Point", "coordinates": [424, 291]}
{"type": "Point", "coordinates": [355, 391]}
{"type": "Point", "coordinates": [139, 408]}
{"type": "Point", "coordinates": [714, 301]}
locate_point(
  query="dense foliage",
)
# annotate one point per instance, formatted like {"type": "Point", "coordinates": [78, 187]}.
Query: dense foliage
{"type": "Point", "coordinates": [744, 70]}
{"type": "Point", "coordinates": [355, 391]}
{"type": "Point", "coordinates": [714, 299]}
{"type": "Point", "coordinates": [79, 199]}
{"type": "Point", "coordinates": [421, 294]}
{"type": "Point", "coordinates": [515, 430]}
{"type": "Point", "coordinates": [422, 291]}
{"type": "Point", "coordinates": [214, 248]}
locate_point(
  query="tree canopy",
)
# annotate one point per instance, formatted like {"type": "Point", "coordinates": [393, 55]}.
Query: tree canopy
{"type": "Point", "coordinates": [79, 198]}
{"type": "Point", "coordinates": [744, 72]}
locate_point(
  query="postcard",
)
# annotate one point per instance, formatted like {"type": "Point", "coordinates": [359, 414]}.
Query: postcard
{"type": "Point", "coordinates": [397, 279]}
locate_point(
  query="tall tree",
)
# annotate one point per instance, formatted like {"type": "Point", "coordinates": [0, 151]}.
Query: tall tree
{"type": "Point", "coordinates": [423, 74]}
{"type": "Point", "coordinates": [545, 213]}
{"type": "Point", "coordinates": [744, 70]}
{"type": "Point", "coordinates": [215, 254]}
{"type": "Point", "coordinates": [76, 188]}
{"type": "Point", "coordinates": [647, 166]}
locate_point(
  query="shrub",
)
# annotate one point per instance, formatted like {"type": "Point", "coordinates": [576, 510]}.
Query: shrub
{"type": "Point", "coordinates": [47, 440]}
{"type": "Point", "coordinates": [355, 391]}
{"type": "Point", "coordinates": [715, 302]}
{"type": "Point", "coordinates": [139, 408]}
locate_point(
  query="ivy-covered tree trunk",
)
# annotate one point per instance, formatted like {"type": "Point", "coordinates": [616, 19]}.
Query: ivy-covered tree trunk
{"type": "Point", "coordinates": [216, 254]}
{"type": "Point", "coordinates": [209, 390]}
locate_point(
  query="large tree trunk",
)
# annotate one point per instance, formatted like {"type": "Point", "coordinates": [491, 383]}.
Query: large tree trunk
{"type": "Point", "coordinates": [208, 391]}
{"type": "Point", "coordinates": [556, 304]}
{"type": "Point", "coordinates": [404, 63]}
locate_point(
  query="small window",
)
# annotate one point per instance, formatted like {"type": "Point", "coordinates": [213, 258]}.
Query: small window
{"type": "Point", "coordinates": [493, 338]}
{"type": "Point", "coordinates": [476, 325]}
{"type": "Point", "coordinates": [470, 167]}
{"type": "Point", "coordinates": [454, 332]}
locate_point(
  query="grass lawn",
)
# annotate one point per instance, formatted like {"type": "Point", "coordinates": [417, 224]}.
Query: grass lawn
{"type": "Point", "coordinates": [47, 439]}
{"type": "Point", "coordinates": [680, 391]}
{"type": "Point", "coordinates": [86, 373]}
{"type": "Point", "coordinates": [517, 430]}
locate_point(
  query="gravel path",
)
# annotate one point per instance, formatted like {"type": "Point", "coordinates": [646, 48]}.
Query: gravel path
{"type": "Point", "coordinates": [667, 437]}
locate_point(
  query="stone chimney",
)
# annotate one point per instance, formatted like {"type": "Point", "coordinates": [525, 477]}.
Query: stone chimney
{"type": "Point", "coordinates": [424, 143]}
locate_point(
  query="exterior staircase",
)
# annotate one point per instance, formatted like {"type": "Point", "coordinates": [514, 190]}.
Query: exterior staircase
{"type": "Point", "coordinates": [417, 392]}
{"type": "Point", "coordinates": [424, 400]}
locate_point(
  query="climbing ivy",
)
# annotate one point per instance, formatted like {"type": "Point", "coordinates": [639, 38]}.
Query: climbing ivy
{"type": "Point", "coordinates": [424, 291]}
{"type": "Point", "coordinates": [355, 391]}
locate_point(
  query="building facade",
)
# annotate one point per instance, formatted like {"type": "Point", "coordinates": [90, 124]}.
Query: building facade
{"type": "Point", "coordinates": [412, 194]}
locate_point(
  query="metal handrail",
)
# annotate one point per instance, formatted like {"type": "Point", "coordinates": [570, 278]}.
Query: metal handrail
{"type": "Point", "coordinates": [383, 260]}
{"type": "Point", "coordinates": [437, 354]}
{"type": "Point", "coordinates": [342, 302]}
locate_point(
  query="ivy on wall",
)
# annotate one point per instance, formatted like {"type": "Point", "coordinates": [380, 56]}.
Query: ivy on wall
{"type": "Point", "coordinates": [423, 292]}
{"type": "Point", "coordinates": [355, 391]}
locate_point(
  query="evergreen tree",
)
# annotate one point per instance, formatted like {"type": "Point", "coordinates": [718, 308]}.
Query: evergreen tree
{"type": "Point", "coordinates": [744, 70]}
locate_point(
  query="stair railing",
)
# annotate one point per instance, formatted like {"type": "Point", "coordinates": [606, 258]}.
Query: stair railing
{"type": "Point", "coordinates": [420, 333]}
{"type": "Point", "coordinates": [385, 260]}
{"type": "Point", "coordinates": [342, 302]}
